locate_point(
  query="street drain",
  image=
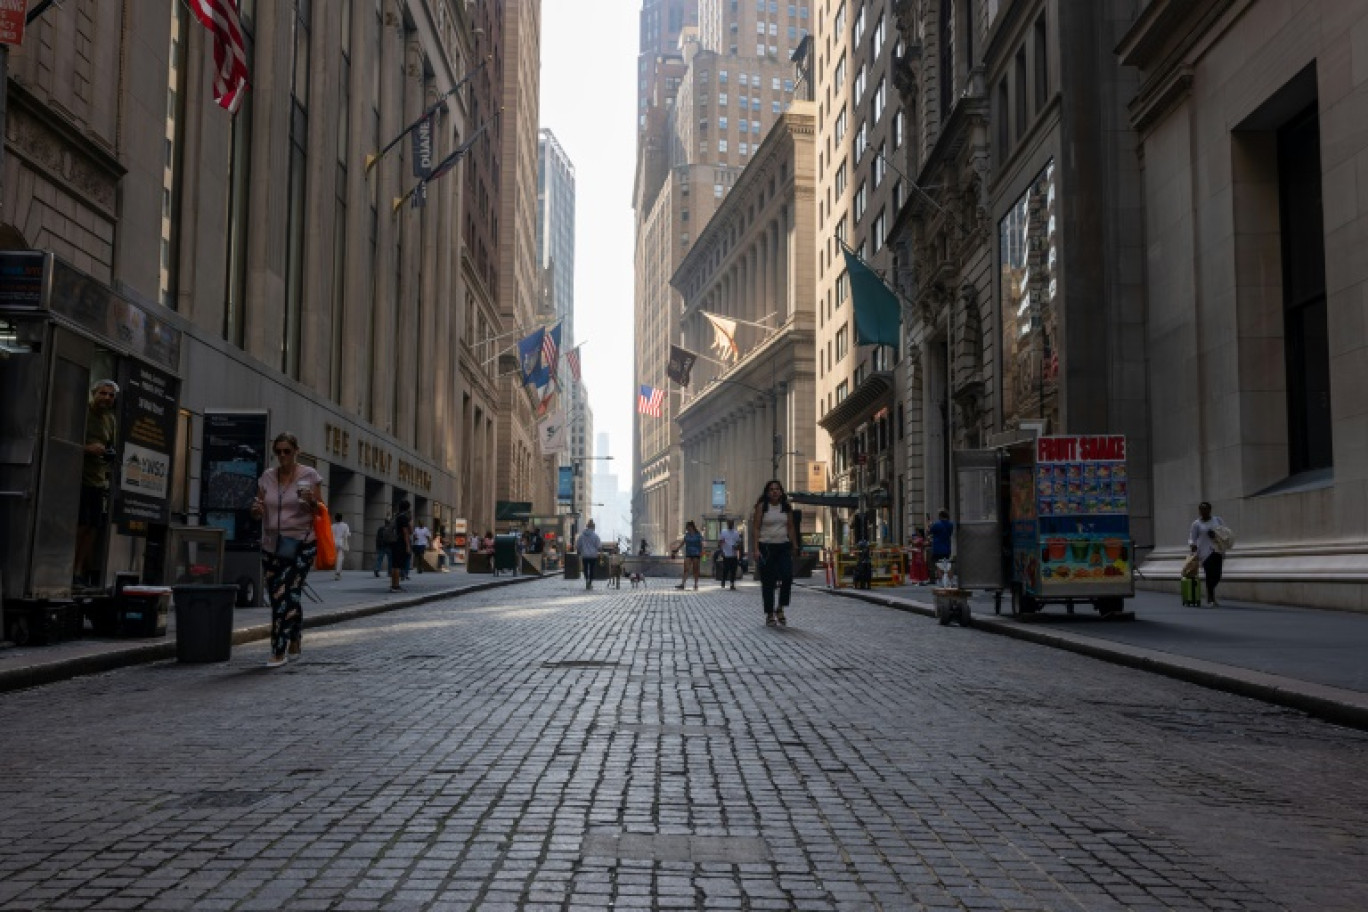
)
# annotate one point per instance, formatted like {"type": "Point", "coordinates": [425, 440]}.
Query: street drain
{"type": "Point", "coordinates": [231, 798]}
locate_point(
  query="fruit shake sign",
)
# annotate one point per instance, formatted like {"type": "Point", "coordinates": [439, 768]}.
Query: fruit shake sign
{"type": "Point", "coordinates": [1071, 518]}
{"type": "Point", "coordinates": [12, 15]}
{"type": "Point", "coordinates": [147, 436]}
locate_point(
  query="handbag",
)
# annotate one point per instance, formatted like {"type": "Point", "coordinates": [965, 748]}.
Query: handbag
{"type": "Point", "coordinates": [1223, 539]}
{"type": "Point", "coordinates": [326, 558]}
{"type": "Point", "coordinates": [287, 548]}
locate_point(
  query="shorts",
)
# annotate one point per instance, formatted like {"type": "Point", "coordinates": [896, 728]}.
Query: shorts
{"type": "Point", "coordinates": [93, 511]}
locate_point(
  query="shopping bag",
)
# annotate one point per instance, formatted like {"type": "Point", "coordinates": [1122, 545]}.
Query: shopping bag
{"type": "Point", "coordinates": [1191, 567]}
{"type": "Point", "coordinates": [327, 548]}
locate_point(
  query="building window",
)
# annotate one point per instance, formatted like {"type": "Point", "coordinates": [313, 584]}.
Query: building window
{"type": "Point", "coordinates": [859, 90]}
{"type": "Point", "coordinates": [717, 191]}
{"type": "Point", "coordinates": [721, 123]}
{"type": "Point", "coordinates": [878, 36]}
{"type": "Point", "coordinates": [842, 342]}
{"type": "Point", "coordinates": [898, 130]}
{"type": "Point", "coordinates": [880, 229]}
{"type": "Point", "coordinates": [945, 50]}
{"type": "Point", "coordinates": [879, 166]}
{"type": "Point", "coordinates": [1020, 93]}
{"type": "Point", "coordinates": [861, 199]}
{"type": "Point", "coordinates": [722, 77]}
{"type": "Point", "coordinates": [1306, 337]}
{"type": "Point", "coordinates": [722, 99]}
{"type": "Point", "coordinates": [876, 107]}
{"type": "Point", "coordinates": [842, 390]}
{"type": "Point", "coordinates": [1042, 64]}
{"type": "Point", "coordinates": [721, 145]}
{"type": "Point", "coordinates": [841, 124]}
{"type": "Point", "coordinates": [742, 149]}
{"type": "Point", "coordinates": [842, 288]}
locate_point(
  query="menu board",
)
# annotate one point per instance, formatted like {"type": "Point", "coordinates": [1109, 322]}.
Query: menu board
{"type": "Point", "coordinates": [1081, 489]}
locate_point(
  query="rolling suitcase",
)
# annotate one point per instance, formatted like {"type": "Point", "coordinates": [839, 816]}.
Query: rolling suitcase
{"type": "Point", "coordinates": [1192, 592]}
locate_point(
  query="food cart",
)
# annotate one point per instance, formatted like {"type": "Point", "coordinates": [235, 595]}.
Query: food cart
{"type": "Point", "coordinates": [1070, 523]}
{"type": "Point", "coordinates": [60, 330]}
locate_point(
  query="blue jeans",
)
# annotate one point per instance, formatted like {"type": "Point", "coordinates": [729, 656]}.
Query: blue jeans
{"type": "Point", "coordinates": [589, 565]}
{"type": "Point", "coordinates": [382, 557]}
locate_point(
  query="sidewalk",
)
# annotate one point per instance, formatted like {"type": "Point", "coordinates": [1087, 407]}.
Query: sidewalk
{"type": "Point", "coordinates": [1304, 658]}
{"type": "Point", "coordinates": [357, 594]}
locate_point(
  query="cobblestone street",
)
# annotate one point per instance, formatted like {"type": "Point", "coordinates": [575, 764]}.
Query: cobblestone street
{"type": "Point", "coordinates": [540, 747]}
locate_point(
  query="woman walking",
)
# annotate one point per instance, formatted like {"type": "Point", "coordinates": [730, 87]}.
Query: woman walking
{"type": "Point", "coordinates": [774, 543]}
{"type": "Point", "coordinates": [287, 497]}
{"type": "Point", "coordinates": [693, 553]}
{"type": "Point", "coordinates": [1210, 550]}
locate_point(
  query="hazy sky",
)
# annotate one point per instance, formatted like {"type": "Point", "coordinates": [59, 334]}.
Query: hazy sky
{"type": "Point", "coordinates": [588, 99]}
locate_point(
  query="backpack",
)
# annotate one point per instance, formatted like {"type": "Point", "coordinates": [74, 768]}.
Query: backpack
{"type": "Point", "coordinates": [386, 534]}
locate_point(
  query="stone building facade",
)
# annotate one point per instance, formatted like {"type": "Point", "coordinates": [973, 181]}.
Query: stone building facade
{"type": "Point", "coordinates": [748, 419]}
{"type": "Point", "coordinates": [1024, 308]}
{"type": "Point", "coordinates": [1250, 121]}
{"type": "Point", "coordinates": [300, 288]}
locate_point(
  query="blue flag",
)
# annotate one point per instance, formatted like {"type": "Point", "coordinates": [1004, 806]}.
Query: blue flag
{"type": "Point", "coordinates": [530, 360]}
{"type": "Point", "coordinates": [878, 316]}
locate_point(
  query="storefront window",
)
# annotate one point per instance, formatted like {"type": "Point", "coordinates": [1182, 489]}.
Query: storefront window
{"type": "Point", "coordinates": [1028, 256]}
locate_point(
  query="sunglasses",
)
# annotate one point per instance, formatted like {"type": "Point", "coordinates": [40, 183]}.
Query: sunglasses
{"type": "Point", "coordinates": [285, 452]}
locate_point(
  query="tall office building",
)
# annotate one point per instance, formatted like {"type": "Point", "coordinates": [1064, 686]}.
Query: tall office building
{"type": "Point", "coordinates": [860, 129]}
{"type": "Point", "coordinates": [708, 113]}
{"type": "Point", "coordinates": [246, 262]}
{"type": "Point", "coordinates": [556, 256]}
{"type": "Point", "coordinates": [520, 475]}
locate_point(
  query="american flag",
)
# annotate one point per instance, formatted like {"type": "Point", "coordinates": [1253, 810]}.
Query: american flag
{"type": "Point", "coordinates": [550, 348]}
{"type": "Point", "coordinates": [220, 17]}
{"type": "Point", "coordinates": [649, 400]}
{"type": "Point", "coordinates": [572, 359]}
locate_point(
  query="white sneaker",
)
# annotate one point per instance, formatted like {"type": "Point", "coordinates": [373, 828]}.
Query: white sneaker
{"type": "Point", "coordinates": [276, 661]}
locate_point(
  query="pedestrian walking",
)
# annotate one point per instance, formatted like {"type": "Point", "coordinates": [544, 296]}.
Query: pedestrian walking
{"type": "Point", "coordinates": [384, 540]}
{"type": "Point", "coordinates": [692, 543]}
{"type": "Point", "coordinates": [942, 533]}
{"type": "Point", "coordinates": [422, 537]}
{"type": "Point", "coordinates": [589, 545]}
{"type": "Point", "coordinates": [729, 542]}
{"type": "Point", "coordinates": [287, 497]}
{"type": "Point", "coordinates": [401, 546]}
{"type": "Point", "coordinates": [1209, 538]}
{"type": "Point", "coordinates": [774, 544]}
{"type": "Point", "coordinates": [342, 539]}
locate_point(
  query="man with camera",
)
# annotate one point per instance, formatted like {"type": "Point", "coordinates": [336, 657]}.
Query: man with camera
{"type": "Point", "coordinates": [102, 428]}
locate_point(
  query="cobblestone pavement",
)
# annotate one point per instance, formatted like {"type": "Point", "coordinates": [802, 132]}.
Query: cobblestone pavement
{"type": "Point", "coordinates": [540, 747]}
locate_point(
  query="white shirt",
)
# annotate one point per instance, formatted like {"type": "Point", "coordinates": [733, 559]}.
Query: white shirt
{"type": "Point", "coordinates": [773, 525]}
{"type": "Point", "coordinates": [341, 535]}
{"type": "Point", "coordinates": [421, 536]}
{"type": "Point", "coordinates": [730, 539]}
{"type": "Point", "coordinates": [1197, 535]}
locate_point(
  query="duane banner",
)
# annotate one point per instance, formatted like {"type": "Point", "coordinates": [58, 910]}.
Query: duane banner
{"type": "Point", "coordinates": [147, 433]}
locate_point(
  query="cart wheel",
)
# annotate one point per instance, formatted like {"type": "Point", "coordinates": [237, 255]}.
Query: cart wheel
{"type": "Point", "coordinates": [1110, 605]}
{"type": "Point", "coordinates": [247, 592]}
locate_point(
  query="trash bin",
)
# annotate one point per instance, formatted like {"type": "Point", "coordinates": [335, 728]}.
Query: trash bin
{"type": "Point", "coordinates": [572, 565]}
{"type": "Point", "coordinates": [204, 622]}
{"type": "Point", "coordinates": [506, 554]}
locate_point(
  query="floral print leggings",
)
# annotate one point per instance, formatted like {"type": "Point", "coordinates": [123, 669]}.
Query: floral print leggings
{"type": "Point", "coordinates": [284, 582]}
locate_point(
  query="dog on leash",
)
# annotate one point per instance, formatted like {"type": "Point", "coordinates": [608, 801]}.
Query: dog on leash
{"type": "Point", "coordinates": [614, 571]}
{"type": "Point", "coordinates": [638, 580]}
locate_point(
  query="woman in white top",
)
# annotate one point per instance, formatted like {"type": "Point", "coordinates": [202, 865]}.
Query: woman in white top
{"type": "Point", "coordinates": [1202, 542]}
{"type": "Point", "coordinates": [774, 544]}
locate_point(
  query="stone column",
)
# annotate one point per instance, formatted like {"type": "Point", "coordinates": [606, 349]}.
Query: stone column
{"type": "Point", "coordinates": [346, 497]}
